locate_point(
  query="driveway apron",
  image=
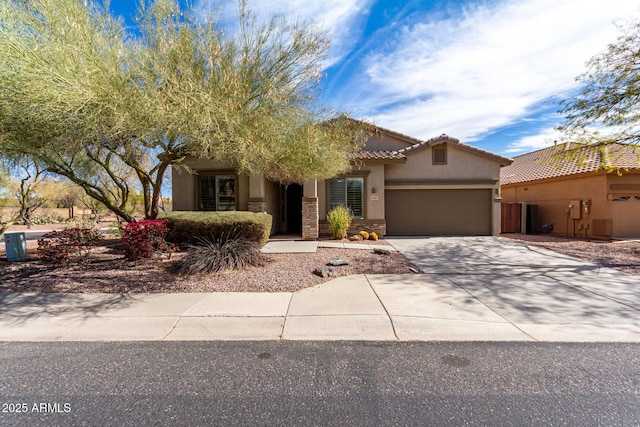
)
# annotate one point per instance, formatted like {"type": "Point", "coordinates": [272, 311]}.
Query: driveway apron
{"type": "Point", "coordinates": [547, 296]}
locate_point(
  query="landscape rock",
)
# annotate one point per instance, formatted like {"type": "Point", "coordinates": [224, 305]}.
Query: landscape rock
{"type": "Point", "coordinates": [338, 261]}
{"type": "Point", "coordinates": [381, 251]}
{"type": "Point", "coordinates": [323, 272]}
{"type": "Point", "coordinates": [356, 237]}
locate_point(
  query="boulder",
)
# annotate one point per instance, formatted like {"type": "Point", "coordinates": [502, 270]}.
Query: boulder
{"type": "Point", "coordinates": [338, 261]}
{"type": "Point", "coordinates": [381, 251]}
{"type": "Point", "coordinates": [323, 272]}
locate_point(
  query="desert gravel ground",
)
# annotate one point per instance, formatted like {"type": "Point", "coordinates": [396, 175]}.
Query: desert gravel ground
{"type": "Point", "coordinates": [619, 254]}
{"type": "Point", "coordinates": [107, 271]}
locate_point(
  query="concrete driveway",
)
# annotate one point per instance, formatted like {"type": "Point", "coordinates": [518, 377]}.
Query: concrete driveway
{"type": "Point", "coordinates": [542, 293]}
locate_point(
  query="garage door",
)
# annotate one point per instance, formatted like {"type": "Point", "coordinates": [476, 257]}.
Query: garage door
{"type": "Point", "coordinates": [625, 212]}
{"type": "Point", "coordinates": [438, 212]}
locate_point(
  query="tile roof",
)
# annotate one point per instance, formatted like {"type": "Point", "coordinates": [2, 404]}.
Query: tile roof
{"type": "Point", "coordinates": [380, 155]}
{"type": "Point", "coordinates": [415, 144]}
{"type": "Point", "coordinates": [570, 159]}
{"type": "Point", "coordinates": [409, 139]}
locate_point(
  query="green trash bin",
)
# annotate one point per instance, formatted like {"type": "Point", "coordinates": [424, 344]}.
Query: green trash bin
{"type": "Point", "coordinates": [16, 246]}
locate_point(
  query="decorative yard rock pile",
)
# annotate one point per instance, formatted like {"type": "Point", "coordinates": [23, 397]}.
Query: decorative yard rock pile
{"type": "Point", "coordinates": [329, 270]}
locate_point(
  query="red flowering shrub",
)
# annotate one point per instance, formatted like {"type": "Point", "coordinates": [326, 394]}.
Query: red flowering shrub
{"type": "Point", "coordinates": [68, 245]}
{"type": "Point", "coordinates": [145, 238]}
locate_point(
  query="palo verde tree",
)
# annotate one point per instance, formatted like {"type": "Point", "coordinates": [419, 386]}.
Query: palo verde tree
{"type": "Point", "coordinates": [22, 188]}
{"type": "Point", "coordinates": [97, 105]}
{"type": "Point", "coordinates": [607, 108]}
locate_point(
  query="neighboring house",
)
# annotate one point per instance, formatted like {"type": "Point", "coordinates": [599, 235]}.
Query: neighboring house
{"type": "Point", "coordinates": [398, 185]}
{"type": "Point", "coordinates": [581, 190]}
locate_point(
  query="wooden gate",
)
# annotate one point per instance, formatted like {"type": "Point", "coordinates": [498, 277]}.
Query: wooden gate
{"type": "Point", "coordinates": [510, 215]}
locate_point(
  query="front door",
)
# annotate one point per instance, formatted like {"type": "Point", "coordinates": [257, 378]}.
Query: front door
{"type": "Point", "coordinates": [293, 208]}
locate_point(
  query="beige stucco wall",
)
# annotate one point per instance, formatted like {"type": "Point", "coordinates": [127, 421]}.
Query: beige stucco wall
{"type": "Point", "coordinates": [375, 202]}
{"type": "Point", "coordinates": [461, 165]}
{"type": "Point", "coordinates": [322, 200]}
{"type": "Point", "coordinates": [629, 179]}
{"type": "Point", "coordinates": [553, 198]}
{"type": "Point", "coordinates": [272, 197]}
{"type": "Point", "coordinates": [182, 191]}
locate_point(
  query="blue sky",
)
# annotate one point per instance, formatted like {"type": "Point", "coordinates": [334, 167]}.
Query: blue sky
{"type": "Point", "coordinates": [490, 72]}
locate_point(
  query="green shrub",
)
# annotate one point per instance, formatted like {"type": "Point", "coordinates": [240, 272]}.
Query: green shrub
{"type": "Point", "coordinates": [216, 254]}
{"type": "Point", "coordinates": [339, 220]}
{"type": "Point", "coordinates": [185, 227]}
{"type": "Point", "coordinates": [68, 245]}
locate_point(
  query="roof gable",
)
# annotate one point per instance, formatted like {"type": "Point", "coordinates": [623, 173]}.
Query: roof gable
{"type": "Point", "coordinates": [414, 145]}
{"type": "Point", "coordinates": [570, 159]}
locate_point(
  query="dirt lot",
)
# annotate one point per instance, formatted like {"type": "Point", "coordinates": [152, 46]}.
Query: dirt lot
{"type": "Point", "coordinates": [108, 271]}
{"type": "Point", "coordinates": [621, 255]}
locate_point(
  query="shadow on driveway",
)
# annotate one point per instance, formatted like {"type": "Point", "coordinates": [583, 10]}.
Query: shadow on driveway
{"type": "Point", "coordinates": [526, 284]}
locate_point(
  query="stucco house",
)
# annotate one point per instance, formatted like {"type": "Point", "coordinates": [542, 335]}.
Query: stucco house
{"type": "Point", "coordinates": [579, 190]}
{"type": "Point", "coordinates": [398, 185]}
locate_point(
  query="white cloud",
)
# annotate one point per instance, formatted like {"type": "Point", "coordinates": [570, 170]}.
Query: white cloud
{"type": "Point", "coordinates": [487, 67]}
{"type": "Point", "coordinates": [543, 139]}
{"type": "Point", "coordinates": [343, 19]}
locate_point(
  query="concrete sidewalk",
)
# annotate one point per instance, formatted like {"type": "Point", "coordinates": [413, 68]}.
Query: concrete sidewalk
{"type": "Point", "coordinates": [361, 307]}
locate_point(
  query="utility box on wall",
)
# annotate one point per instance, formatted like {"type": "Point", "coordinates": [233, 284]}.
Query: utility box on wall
{"type": "Point", "coordinates": [575, 209]}
{"type": "Point", "coordinates": [16, 246]}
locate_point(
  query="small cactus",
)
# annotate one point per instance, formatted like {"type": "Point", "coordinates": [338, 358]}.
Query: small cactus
{"type": "Point", "coordinates": [364, 235]}
{"type": "Point", "coordinates": [373, 236]}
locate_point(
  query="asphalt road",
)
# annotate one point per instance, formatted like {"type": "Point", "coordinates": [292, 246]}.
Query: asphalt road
{"type": "Point", "coordinates": [302, 383]}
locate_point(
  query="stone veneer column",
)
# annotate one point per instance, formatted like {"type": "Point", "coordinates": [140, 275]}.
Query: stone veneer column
{"type": "Point", "coordinates": [310, 211]}
{"type": "Point", "coordinates": [257, 205]}
{"type": "Point", "coordinates": [310, 218]}
{"type": "Point", "coordinates": [257, 201]}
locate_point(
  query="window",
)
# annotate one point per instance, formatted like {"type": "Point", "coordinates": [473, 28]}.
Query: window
{"type": "Point", "coordinates": [217, 193]}
{"type": "Point", "coordinates": [348, 192]}
{"type": "Point", "coordinates": [440, 155]}
{"type": "Point", "coordinates": [621, 198]}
